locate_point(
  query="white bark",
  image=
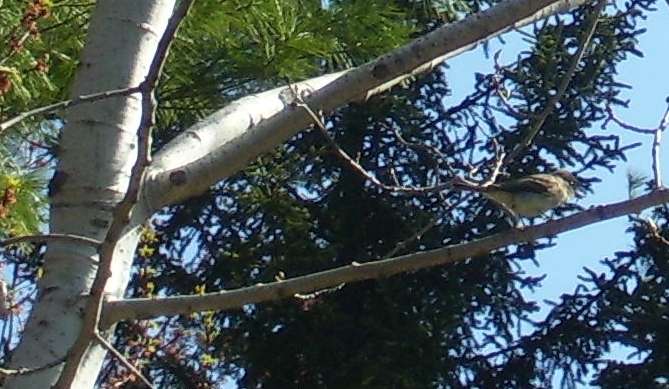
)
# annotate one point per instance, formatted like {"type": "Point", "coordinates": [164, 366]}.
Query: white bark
{"type": "Point", "coordinates": [97, 150]}
{"type": "Point", "coordinates": [224, 143]}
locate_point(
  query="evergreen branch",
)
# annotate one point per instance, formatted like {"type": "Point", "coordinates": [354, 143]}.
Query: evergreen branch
{"type": "Point", "coordinates": [562, 87]}
{"type": "Point", "coordinates": [654, 230]}
{"type": "Point", "coordinates": [552, 330]}
{"type": "Point", "coordinates": [145, 308]}
{"type": "Point", "coordinates": [433, 152]}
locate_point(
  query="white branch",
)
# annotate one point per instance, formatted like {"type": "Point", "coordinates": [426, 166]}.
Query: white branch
{"type": "Point", "coordinates": [144, 308]}
{"type": "Point", "coordinates": [224, 143]}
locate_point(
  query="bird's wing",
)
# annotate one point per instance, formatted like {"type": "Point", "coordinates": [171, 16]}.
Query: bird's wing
{"type": "Point", "coordinates": [534, 184]}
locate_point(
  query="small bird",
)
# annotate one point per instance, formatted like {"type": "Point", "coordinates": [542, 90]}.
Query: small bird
{"type": "Point", "coordinates": [531, 195]}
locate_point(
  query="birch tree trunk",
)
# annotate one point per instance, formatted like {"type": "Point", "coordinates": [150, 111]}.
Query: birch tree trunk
{"type": "Point", "coordinates": [97, 150]}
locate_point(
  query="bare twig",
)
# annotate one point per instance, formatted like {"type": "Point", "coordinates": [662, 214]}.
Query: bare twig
{"type": "Point", "coordinates": [562, 87]}
{"type": "Point", "coordinates": [25, 371]}
{"type": "Point", "coordinates": [657, 138]}
{"type": "Point", "coordinates": [123, 360]}
{"type": "Point", "coordinates": [320, 292]}
{"type": "Point", "coordinates": [657, 174]}
{"type": "Point", "coordinates": [653, 230]}
{"type": "Point", "coordinates": [497, 167]}
{"type": "Point", "coordinates": [49, 238]}
{"type": "Point", "coordinates": [68, 103]}
{"type": "Point", "coordinates": [430, 150]}
{"type": "Point", "coordinates": [145, 308]}
{"type": "Point", "coordinates": [18, 43]}
{"type": "Point", "coordinates": [612, 117]}
{"type": "Point", "coordinates": [121, 215]}
{"type": "Point", "coordinates": [355, 165]}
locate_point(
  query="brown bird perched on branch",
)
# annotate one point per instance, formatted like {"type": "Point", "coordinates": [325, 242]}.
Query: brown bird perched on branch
{"type": "Point", "coordinates": [528, 196]}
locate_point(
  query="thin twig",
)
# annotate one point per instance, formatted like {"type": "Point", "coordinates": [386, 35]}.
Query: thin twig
{"type": "Point", "coordinates": [18, 43]}
{"type": "Point", "coordinates": [318, 293]}
{"type": "Point", "coordinates": [68, 103]}
{"type": "Point", "coordinates": [657, 139]}
{"type": "Point", "coordinates": [355, 165]}
{"type": "Point", "coordinates": [123, 360]}
{"type": "Point", "coordinates": [50, 238]}
{"type": "Point", "coordinates": [415, 237]}
{"type": "Point", "coordinates": [497, 166]}
{"type": "Point", "coordinates": [562, 87]}
{"type": "Point", "coordinates": [612, 117]}
{"type": "Point", "coordinates": [26, 371]}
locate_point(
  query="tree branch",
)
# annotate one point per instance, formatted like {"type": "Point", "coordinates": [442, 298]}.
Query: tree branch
{"type": "Point", "coordinates": [26, 371]}
{"type": "Point", "coordinates": [359, 169]}
{"type": "Point", "coordinates": [49, 238]}
{"type": "Point", "coordinates": [657, 138]}
{"type": "Point", "coordinates": [145, 308]}
{"type": "Point", "coordinates": [66, 104]}
{"type": "Point", "coordinates": [224, 143]}
{"type": "Point", "coordinates": [123, 360]}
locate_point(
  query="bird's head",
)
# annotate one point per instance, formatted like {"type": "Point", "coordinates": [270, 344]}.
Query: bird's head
{"type": "Point", "coordinates": [571, 179]}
